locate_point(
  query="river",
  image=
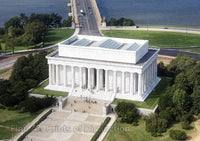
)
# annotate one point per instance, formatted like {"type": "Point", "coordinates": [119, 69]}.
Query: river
{"type": "Point", "coordinates": [10, 8]}
{"type": "Point", "coordinates": [147, 12]}
{"type": "Point", "coordinates": [153, 12]}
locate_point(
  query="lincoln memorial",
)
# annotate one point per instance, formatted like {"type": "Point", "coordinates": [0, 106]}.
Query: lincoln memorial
{"type": "Point", "coordinates": [103, 68]}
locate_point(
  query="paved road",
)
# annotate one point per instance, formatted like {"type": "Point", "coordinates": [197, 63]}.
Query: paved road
{"type": "Point", "coordinates": [87, 21]}
{"type": "Point", "coordinates": [88, 26]}
{"type": "Point", "coordinates": [171, 52]}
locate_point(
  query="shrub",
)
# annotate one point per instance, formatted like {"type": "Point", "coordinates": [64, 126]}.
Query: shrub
{"type": "Point", "coordinates": [127, 112]}
{"type": "Point", "coordinates": [156, 125]}
{"type": "Point", "coordinates": [177, 135]}
{"type": "Point", "coordinates": [199, 116]}
{"type": "Point", "coordinates": [2, 107]}
{"type": "Point", "coordinates": [34, 104]}
{"type": "Point", "coordinates": [185, 125]}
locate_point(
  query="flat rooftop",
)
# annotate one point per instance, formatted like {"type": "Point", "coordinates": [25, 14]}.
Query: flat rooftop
{"type": "Point", "coordinates": [104, 48]}
{"type": "Point", "coordinates": [105, 42]}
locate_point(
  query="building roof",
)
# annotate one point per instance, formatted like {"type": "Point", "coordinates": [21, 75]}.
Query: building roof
{"type": "Point", "coordinates": [105, 42]}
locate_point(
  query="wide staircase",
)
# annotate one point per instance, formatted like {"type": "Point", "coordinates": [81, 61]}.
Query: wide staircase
{"type": "Point", "coordinates": [93, 94]}
{"type": "Point", "coordinates": [85, 104]}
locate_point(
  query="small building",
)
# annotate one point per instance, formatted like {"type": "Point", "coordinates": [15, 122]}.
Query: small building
{"type": "Point", "coordinates": [103, 68]}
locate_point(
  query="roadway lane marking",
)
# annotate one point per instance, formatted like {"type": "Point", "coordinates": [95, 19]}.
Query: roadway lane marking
{"type": "Point", "coordinates": [87, 18]}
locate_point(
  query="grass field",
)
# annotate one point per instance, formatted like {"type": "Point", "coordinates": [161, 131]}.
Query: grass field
{"type": "Point", "coordinates": [126, 132]}
{"type": "Point", "coordinates": [5, 70]}
{"type": "Point", "coordinates": [40, 90]}
{"type": "Point", "coordinates": [12, 121]}
{"type": "Point", "coordinates": [52, 37]}
{"type": "Point", "coordinates": [152, 99]}
{"type": "Point", "coordinates": [186, 27]}
{"type": "Point", "coordinates": [158, 38]}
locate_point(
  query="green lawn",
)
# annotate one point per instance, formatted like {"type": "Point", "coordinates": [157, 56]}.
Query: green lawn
{"type": "Point", "coordinates": [186, 27]}
{"type": "Point", "coordinates": [12, 121]}
{"type": "Point", "coordinates": [158, 38]}
{"type": "Point", "coordinates": [5, 70]}
{"type": "Point", "coordinates": [52, 37]}
{"type": "Point", "coordinates": [152, 99]}
{"type": "Point", "coordinates": [57, 35]}
{"type": "Point", "coordinates": [40, 90]}
{"type": "Point", "coordinates": [126, 132]}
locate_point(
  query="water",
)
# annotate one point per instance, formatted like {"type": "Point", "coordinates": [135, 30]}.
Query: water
{"type": "Point", "coordinates": [153, 12]}
{"type": "Point", "coordinates": [10, 8]}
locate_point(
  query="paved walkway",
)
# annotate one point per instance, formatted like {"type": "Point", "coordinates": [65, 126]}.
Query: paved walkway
{"type": "Point", "coordinates": [28, 126]}
{"type": "Point", "coordinates": [67, 126]}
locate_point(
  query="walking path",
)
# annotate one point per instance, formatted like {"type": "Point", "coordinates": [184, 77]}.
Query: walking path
{"type": "Point", "coordinates": [28, 126]}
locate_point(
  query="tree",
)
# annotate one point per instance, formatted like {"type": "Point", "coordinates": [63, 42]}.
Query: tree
{"type": "Point", "coordinates": [112, 22]}
{"type": "Point", "coordinates": [15, 22]}
{"type": "Point", "coordinates": [155, 125]}
{"type": "Point", "coordinates": [15, 31]}
{"type": "Point", "coordinates": [56, 19]}
{"type": "Point", "coordinates": [23, 19]}
{"type": "Point", "coordinates": [2, 31]}
{"type": "Point", "coordinates": [0, 48]}
{"type": "Point", "coordinates": [181, 64]}
{"type": "Point", "coordinates": [127, 112]}
{"type": "Point", "coordinates": [11, 43]}
{"type": "Point", "coordinates": [68, 22]}
{"type": "Point", "coordinates": [34, 31]}
{"type": "Point", "coordinates": [5, 87]}
{"type": "Point", "coordinates": [181, 100]}
{"type": "Point", "coordinates": [196, 100]}
{"type": "Point", "coordinates": [165, 100]}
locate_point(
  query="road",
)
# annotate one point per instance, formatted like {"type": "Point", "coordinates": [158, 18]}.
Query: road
{"type": "Point", "coordinates": [88, 26]}
{"type": "Point", "coordinates": [174, 53]}
{"type": "Point", "coordinates": [87, 21]}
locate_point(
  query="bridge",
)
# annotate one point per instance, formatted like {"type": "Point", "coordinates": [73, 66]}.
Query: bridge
{"type": "Point", "coordinates": [90, 22]}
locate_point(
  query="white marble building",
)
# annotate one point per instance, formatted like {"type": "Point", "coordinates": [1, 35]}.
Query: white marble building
{"type": "Point", "coordinates": [104, 68]}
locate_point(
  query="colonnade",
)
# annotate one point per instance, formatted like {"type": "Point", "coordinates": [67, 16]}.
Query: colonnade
{"type": "Point", "coordinates": [102, 79]}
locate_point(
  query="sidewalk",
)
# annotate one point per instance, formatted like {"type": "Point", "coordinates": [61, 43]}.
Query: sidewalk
{"type": "Point", "coordinates": [29, 125]}
{"type": "Point", "coordinates": [107, 128]}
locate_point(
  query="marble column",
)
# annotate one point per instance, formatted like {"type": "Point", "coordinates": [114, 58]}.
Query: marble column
{"type": "Point", "coordinates": [123, 83]}
{"type": "Point", "coordinates": [50, 74]}
{"type": "Point", "coordinates": [106, 80]}
{"type": "Point", "coordinates": [89, 78]}
{"type": "Point", "coordinates": [98, 79]}
{"type": "Point", "coordinates": [131, 83]}
{"type": "Point", "coordinates": [140, 91]}
{"type": "Point", "coordinates": [81, 77]}
{"type": "Point", "coordinates": [72, 71]}
{"type": "Point", "coordinates": [57, 75]}
{"type": "Point", "coordinates": [115, 82]}
{"type": "Point", "coordinates": [135, 83]}
{"type": "Point", "coordinates": [65, 76]}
